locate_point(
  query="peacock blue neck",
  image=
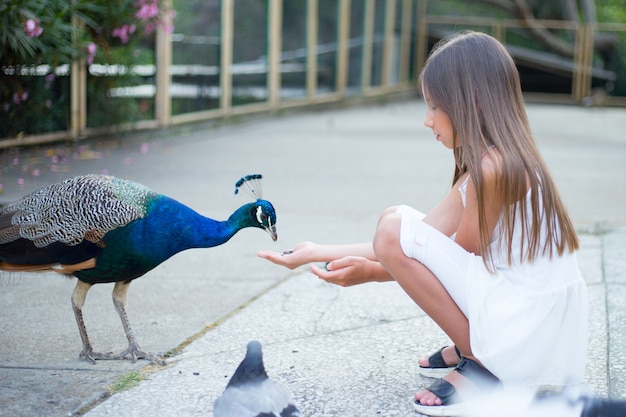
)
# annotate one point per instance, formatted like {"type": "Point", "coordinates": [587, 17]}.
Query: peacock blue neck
{"type": "Point", "coordinates": [175, 227]}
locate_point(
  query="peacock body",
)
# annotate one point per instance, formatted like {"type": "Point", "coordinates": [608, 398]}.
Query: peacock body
{"type": "Point", "coordinates": [104, 229]}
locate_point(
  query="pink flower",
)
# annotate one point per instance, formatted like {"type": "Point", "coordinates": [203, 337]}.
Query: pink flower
{"type": "Point", "coordinates": [91, 52]}
{"type": "Point", "coordinates": [121, 32]}
{"type": "Point", "coordinates": [124, 32]}
{"type": "Point", "coordinates": [150, 28]}
{"type": "Point", "coordinates": [147, 9]}
{"type": "Point", "coordinates": [32, 28]}
{"type": "Point", "coordinates": [20, 97]}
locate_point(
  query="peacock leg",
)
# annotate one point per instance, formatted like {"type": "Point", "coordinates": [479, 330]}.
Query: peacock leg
{"type": "Point", "coordinates": [120, 293]}
{"type": "Point", "coordinates": [78, 301]}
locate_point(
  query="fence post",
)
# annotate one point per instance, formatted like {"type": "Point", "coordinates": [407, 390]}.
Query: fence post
{"type": "Point", "coordinates": [405, 40]}
{"type": "Point", "coordinates": [163, 100]}
{"type": "Point", "coordinates": [583, 62]}
{"type": "Point", "coordinates": [311, 45]}
{"type": "Point", "coordinates": [587, 76]}
{"type": "Point", "coordinates": [421, 42]}
{"type": "Point", "coordinates": [226, 55]}
{"type": "Point", "coordinates": [368, 45]}
{"type": "Point", "coordinates": [343, 49]}
{"type": "Point", "coordinates": [78, 92]}
{"type": "Point", "coordinates": [388, 43]}
{"type": "Point", "coordinates": [498, 32]}
{"type": "Point", "coordinates": [274, 51]}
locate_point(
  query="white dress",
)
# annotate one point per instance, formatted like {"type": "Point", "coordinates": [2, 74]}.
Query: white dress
{"type": "Point", "coordinates": [528, 321]}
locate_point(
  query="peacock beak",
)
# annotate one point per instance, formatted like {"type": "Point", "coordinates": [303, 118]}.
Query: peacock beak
{"type": "Point", "coordinates": [272, 231]}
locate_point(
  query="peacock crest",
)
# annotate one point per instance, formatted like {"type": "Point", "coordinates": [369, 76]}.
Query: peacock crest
{"type": "Point", "coordinates": [251, 185]}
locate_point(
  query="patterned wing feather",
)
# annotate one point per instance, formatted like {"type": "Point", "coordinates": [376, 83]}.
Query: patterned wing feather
{"type": "Point", "coordinates": [84, 207]}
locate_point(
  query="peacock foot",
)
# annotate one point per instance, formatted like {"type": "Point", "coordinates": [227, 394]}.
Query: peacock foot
{"type": "Point", "coordinates": [135, 352]}
{"type": "Point", "coordinates": [92, 356]}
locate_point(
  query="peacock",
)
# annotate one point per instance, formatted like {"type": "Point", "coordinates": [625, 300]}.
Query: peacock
{"type": "Point", "coordinates": [103, 229]}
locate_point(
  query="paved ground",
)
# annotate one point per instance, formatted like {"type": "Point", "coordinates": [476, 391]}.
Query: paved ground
{"type": "Point", "coordinates": [340, 352]}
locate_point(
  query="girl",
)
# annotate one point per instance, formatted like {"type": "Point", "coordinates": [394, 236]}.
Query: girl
{"type": "Point", "coordinates": [494, 263]}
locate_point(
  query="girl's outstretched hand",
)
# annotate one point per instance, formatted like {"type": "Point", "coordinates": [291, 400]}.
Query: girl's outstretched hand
{"type": "Point", "coordinates": [302, 253]}
{"type": "Point", "coordinates": [341, 269]}
{"type": "Point", "coordinates": [348, 271]}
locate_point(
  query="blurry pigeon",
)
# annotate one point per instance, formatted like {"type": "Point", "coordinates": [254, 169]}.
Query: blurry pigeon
{"type": "Point", "coordinates": [250, 393]}
{"type": "Point", "coordinates": [570, 402]}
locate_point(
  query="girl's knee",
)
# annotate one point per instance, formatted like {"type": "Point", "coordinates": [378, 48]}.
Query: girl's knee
{"type": "Point", "coordinates": [387, 212]}
{"type": "Point", "coordinates": [387, 236]}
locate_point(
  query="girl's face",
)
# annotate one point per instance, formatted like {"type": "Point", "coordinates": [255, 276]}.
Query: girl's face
{"type": "Point", "coordinates": [440, 124]}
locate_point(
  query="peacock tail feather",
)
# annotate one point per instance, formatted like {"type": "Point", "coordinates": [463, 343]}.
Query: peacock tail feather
{"type": "Point", "coordinates": [74, 210]}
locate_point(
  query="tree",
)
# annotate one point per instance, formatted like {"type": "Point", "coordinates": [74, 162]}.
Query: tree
{"type": "Point", "coordinates": [582, 11]}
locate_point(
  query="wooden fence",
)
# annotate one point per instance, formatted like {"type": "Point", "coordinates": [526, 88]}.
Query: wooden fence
{"type": "Point", "coordinates": [380, 55]}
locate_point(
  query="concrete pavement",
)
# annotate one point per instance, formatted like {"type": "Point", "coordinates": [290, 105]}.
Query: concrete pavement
{"type": "Point", "coordinates": [329, 173]}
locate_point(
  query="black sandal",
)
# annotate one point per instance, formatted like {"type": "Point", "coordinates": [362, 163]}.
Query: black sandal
{"type": "Point", "coordinates": [437, 367]}
{"type": "Point", "coordinates": [451, 402]}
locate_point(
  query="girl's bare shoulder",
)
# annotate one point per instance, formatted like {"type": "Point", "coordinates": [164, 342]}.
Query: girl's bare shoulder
{"type": "Point", "coordinates": [491, 164]}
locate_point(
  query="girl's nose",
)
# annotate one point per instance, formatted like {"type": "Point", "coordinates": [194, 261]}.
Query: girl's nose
{"type": "Point", "coordinates": [428, 122]}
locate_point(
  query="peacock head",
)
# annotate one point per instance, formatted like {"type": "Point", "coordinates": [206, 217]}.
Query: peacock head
{"type": "Point", "coordinates": [262, 213]}
{"type": "Point", "coordinates": [266, 217]}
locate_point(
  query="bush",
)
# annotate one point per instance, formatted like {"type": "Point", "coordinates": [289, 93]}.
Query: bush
{"type": "Point", "coordinates": [39, 39]}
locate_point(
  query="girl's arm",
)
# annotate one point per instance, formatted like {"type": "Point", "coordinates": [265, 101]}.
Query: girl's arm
{"type": "Point", "coordinates": [308, 252]}
{"type": "Point", "coordinates": [446, 215]}
{"type": "Point", "coordinates": [468, 232]}
{"type": "Point", "coordinates": [347, 265]}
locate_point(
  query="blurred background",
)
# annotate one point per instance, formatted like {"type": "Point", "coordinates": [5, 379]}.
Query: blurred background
{"type": "Point", "coordinates": [84, 68]}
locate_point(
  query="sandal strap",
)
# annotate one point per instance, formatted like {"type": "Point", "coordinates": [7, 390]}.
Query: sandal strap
{"type": "Point", "coordinates": [458, 352]}
{"type": "Point", "coordinates": [445, 391]}
{"type": "Point", "coordinates": [471, 370]}
{"type": "Point", "coordinates": [480, 376]}
{"type": "Point", "coordinates": [436, 361]}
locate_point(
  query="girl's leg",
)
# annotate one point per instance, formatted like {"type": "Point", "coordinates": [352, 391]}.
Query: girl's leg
{"type": "Point", "coordinates": [425, 289]}
{"type": "Point", "coordinates": [420, 283]}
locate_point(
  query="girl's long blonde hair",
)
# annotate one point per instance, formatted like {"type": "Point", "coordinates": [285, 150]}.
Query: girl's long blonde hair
{"type": "Point", "coordinates": [472, 78]}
